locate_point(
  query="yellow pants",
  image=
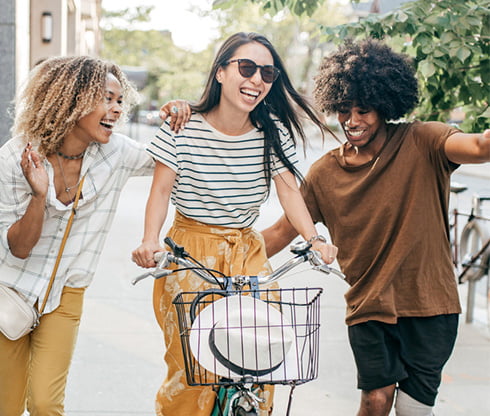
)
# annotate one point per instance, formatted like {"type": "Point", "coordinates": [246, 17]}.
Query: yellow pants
{"type": "Point", "coordinates": [231, 251]}
{"type": "Point", "coordinates": [35, 367]}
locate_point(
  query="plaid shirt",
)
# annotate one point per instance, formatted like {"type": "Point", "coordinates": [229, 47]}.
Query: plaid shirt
{"type": "Point", "coordinates": [107, 168]}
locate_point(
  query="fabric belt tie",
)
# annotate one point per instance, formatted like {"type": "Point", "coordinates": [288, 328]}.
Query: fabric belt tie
{"type": "Point", "coordinates": [233, 236]}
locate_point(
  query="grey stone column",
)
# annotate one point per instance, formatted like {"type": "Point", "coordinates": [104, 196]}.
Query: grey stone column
{"type": "Point", "coordinates": [7, 65]}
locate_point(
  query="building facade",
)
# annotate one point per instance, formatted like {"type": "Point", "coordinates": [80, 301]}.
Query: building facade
{"type": "Point", "coordinates": [33, 30]}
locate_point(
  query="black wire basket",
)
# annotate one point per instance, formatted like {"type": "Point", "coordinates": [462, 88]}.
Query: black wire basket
{"type": "Point", "coordinates": [253, 336]}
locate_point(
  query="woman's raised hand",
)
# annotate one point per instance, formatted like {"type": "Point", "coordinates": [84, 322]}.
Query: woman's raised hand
{"type": "Point", "coordinates": [34, 171]}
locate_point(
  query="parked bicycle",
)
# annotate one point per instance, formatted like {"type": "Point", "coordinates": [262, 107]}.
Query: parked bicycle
{"type": "Point", "coordinates": [471, 247]}
{"type": "Point", "coordinates": [238, 337]}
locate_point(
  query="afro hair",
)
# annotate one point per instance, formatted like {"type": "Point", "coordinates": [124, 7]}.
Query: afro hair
{"type": "Point", "coordinates": [368, 74]}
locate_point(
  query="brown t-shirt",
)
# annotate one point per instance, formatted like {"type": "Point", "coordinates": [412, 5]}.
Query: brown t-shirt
{"type": "Point", "coordinates": [389, 220]}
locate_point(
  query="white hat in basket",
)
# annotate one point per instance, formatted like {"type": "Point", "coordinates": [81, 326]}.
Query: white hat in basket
{"type": "Point", "coordinates": [241, 335]}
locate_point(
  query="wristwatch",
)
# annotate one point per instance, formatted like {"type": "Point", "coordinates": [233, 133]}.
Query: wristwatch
{"type": "Point", "coordinates": [317, 238]}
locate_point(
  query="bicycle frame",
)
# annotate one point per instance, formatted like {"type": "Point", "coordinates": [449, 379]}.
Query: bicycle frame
{"type": "Point", "coordinates": [474, 243]}
{"type": "Point", "coordinates": [471, 249]}
{"type": "Point", "coordinates": [469, 264]}
{"type": "Point", "coordinates": [456, 189]}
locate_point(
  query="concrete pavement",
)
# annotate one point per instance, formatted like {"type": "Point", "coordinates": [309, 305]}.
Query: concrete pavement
{"type": "Point", "coordinates": [118, 364]}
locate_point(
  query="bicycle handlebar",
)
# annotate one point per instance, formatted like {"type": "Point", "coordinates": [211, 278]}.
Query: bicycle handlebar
{"type": "Point", "coordinates": [180, 257]}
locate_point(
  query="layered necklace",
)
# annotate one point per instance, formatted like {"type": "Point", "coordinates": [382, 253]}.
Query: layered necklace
{"type": "Point", "coordinates": [58, 154]}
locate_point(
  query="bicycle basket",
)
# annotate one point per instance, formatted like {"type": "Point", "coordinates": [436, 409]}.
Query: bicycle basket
{"type": "Point", "coordinates": [263, 336]}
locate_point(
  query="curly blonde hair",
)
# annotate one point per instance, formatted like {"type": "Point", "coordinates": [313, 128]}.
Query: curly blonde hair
{"type": "Point", "coordinates": [60, 91]}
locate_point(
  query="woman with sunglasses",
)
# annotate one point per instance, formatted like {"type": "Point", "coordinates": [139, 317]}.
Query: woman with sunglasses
{"type": "Point", "coordinates": [217, 171]}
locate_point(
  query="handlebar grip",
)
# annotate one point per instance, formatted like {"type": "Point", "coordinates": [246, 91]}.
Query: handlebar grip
{"type": "Point", "coordinates": [157, 256]}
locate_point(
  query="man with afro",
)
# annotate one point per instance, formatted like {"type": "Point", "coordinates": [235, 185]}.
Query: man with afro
{"type": "Point", "coordinates": [383, 195]}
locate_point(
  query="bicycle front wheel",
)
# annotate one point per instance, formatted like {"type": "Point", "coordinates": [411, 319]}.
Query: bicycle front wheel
{"type": "Point", "coordinates": [473, 237]}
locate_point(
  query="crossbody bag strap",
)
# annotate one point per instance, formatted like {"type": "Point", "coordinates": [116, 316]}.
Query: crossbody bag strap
{"type": "Point", "coordinates": [63, 242]}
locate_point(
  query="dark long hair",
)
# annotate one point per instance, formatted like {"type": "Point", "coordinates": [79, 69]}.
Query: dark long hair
{"type": "Point", "coordinates": [279, 102]}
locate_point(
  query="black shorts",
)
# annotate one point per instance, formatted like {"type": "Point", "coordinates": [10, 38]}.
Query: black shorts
{"type": "Point", "coordinates": [411, 353]}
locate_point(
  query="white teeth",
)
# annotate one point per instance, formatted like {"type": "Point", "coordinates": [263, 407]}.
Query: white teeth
{"type": "Point", "coordinates": [109, 124]}
{"type": "Point", "coordinates": [250, 92]}
{"type": "Point", "coordinates": [355, 133]}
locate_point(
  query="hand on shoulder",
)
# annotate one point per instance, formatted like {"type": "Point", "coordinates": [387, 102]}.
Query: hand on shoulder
{"type": "Point", "coordinates": [179, 112]}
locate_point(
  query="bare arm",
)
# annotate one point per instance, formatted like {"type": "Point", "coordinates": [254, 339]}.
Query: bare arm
{"type": "Point", "coordinates": [24, 234]}
{"type": "Point", "coordinates": [298, 215]}
{"type": "Point", "coordinates": [278, 236]}
{"type": "Point", "coordinates": [468, 148]}
{"type": "Point", "coordinates": [155, 215]}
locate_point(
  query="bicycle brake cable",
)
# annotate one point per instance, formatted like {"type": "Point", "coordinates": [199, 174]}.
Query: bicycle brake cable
{"type": "Point", "coordinates": [204, 268]}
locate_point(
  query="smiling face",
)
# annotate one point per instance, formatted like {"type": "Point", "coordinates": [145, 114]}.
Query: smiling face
{"type": "Point", "coordinates": [360, 125]}
{"type": "Point", "coordinates": [97, 126]}
{"type": "Point", "coordinates": [240, 93]}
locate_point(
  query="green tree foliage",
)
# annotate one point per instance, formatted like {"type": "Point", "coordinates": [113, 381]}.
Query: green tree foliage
{"type": "Point", "coordinates": [296, 38]}
{"type": "Point", "coordinates": [450, 43]}
{"type": "Point", "coordinates": [172, 71]}
{"type": "Point", "coordinates": [177, 73]}
{"type": "Point", "coordinates": [297, 7]}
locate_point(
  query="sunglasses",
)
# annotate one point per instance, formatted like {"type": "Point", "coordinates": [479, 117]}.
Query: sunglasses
{"type": "Point", "coordinates": [248, 68]}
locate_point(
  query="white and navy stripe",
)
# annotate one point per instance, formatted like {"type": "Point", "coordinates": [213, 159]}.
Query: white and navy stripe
{"type": "Point", "coordinates": [220, 179]}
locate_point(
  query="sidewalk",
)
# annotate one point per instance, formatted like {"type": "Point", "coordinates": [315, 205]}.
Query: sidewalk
{"type": "Point", "coordinates": [118, 364]}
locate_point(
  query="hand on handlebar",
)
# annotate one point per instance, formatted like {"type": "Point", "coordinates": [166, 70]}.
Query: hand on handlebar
{"type": "Point", "coordinates": [327, 251]}
{"type": "Point", "coordinates": [302, 253]}
{"type": "Point", "coordinates": [144, 255]}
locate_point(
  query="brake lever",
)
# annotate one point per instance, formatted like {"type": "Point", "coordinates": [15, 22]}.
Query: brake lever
{"type": "Point", "coordinates": [140, 277]}
{"type": "Point", "coordinates": [320, 265]}
{"type": "Point", "coordinates": [325, 268]}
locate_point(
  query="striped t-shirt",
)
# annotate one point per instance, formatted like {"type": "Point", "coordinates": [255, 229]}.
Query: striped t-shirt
{"type": "Point", "coordinates": [220, 179]}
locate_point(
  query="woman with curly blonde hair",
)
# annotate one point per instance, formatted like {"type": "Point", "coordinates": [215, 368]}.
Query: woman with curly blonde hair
{"type": "Point", "coordinates": [62, 137]}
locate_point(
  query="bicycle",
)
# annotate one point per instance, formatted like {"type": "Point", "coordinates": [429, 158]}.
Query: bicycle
{"type": "Point", "coordinates": [238, 339]}
{"type": "Point", "coordinates": [471, 248]}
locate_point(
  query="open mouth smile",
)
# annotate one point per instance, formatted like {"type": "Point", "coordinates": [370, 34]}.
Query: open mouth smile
{"type": "Point", "coordinates": [250, 93]}
{"type": "Point", "coordinates": [354, 133]}
{"type": "Point", "coordinates": [108, 124]}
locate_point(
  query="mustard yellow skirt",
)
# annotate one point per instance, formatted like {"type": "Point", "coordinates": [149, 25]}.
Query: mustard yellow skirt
{"type": "Point", "coordinates": [231, 251]}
